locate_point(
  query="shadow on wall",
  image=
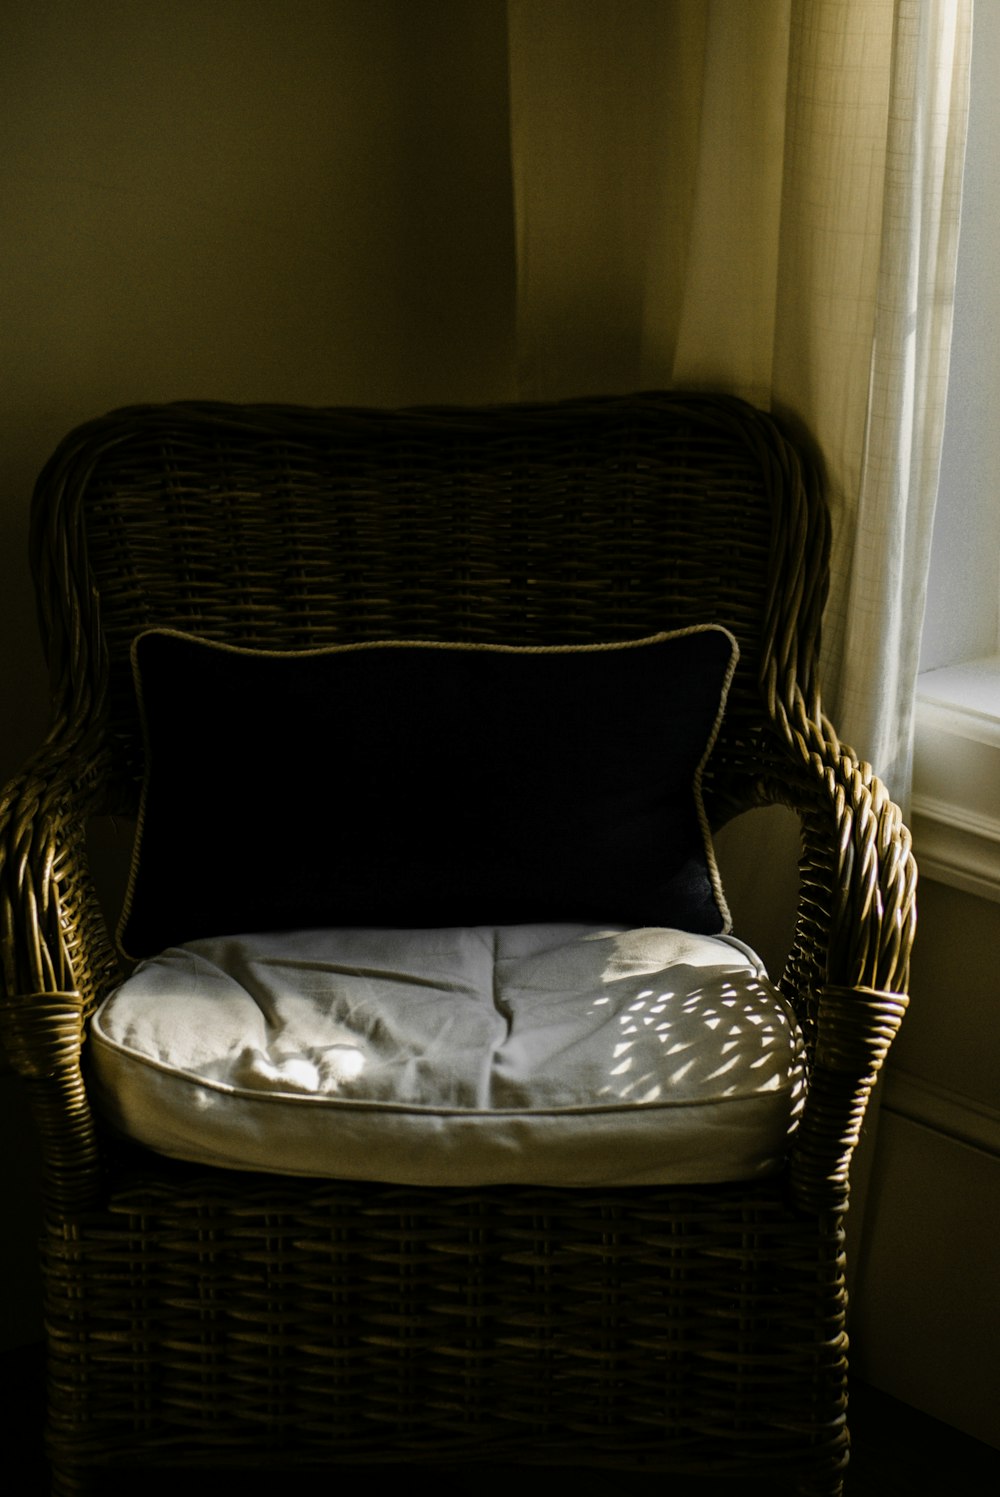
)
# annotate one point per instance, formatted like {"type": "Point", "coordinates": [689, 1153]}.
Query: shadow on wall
{"type": "Point", "coordinates": [758, 857]}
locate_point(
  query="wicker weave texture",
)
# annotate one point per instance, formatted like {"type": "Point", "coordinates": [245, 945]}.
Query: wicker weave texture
{"type": "Point", "coordinates": [571, 523]}
{"type": "Point", "coordinates": [304, 1323]}
{"type": "Point", "coordinates": [211, 1318]}
{"type": "Point", "coordinates": [291, 530]}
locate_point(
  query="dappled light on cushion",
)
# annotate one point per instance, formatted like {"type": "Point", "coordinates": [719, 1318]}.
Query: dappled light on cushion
{"type": "Point", "coordinates": [724, 1037]}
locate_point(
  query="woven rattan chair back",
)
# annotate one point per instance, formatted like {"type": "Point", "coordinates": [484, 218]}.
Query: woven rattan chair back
{"type": "Point", "coordinates": [289, 529]}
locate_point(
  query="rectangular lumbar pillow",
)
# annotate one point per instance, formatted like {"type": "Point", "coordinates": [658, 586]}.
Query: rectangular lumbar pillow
{"type": "Point", "coordinates": [412, 784]}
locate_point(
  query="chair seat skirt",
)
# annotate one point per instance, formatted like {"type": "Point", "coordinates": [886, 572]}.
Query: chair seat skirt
{"type": "Point", "coordinates": [532, 1054]}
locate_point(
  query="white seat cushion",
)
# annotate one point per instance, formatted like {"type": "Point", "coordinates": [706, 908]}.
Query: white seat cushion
{"type": "Point", "coordinates": [532, 1054]}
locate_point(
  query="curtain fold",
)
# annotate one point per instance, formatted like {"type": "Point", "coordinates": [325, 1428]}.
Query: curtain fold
{"type": "Point", "coordinates": [885, 591]}
{"type": "Point", "coordinates": [763, 199]}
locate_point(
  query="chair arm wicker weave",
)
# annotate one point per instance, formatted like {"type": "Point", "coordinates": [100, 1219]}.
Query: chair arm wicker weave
{"type": "Point", "coordinates": [200, 1316]}
{"type": "Point", "coordinates": [858, 874]}
{"type": "Point", "coordinates": [58, 957]}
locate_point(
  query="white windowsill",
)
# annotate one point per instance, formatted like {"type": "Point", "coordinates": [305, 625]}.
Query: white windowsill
{"type": "Point", "coordinates": [956, 776]}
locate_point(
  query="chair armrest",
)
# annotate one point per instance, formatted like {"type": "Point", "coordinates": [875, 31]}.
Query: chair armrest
{"type": "Point", "coordinates": [855, 1027]}
{"type": "Point", "coordinates": [58, 958]}
{"type": "Point", "coordinates": [848, 971]}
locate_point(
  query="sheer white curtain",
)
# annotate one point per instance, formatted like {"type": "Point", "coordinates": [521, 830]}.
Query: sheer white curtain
{"type": "Point", "coordinates": [761, 197]}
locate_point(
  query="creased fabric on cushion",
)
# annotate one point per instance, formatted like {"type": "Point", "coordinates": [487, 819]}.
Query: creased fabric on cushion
{"type": "Point", "coordinates": [418, 784]}
{"type": "Point", "coordinates": [544, 1054]}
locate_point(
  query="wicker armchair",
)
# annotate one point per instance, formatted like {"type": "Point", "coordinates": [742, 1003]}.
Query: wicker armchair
{"type": "Point", "coordinates": [196, 1316]}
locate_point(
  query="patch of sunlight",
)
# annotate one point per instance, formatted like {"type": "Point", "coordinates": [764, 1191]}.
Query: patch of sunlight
{"type": "Point", "coordinates": [680, 1074]}
{"type": "Point", "coordinates": [721, 1071]}
{"type": "Point", "coordinates": [633, 1089]}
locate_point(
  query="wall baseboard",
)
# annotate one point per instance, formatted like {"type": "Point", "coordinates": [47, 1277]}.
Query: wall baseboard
{"type": "Point", "coordinates": [947, 1112]}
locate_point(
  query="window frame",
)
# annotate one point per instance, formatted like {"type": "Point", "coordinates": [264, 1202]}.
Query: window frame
{"type": "Point", "coordinates": [955, 807]}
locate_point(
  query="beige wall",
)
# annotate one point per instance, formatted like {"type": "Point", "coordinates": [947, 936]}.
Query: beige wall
{"type": "Point", "coordinates": [246, 200]}
{"type": "Point", "coordinates": [231, 199]}
{"type": "Point", "coordinates": [926, 1323]}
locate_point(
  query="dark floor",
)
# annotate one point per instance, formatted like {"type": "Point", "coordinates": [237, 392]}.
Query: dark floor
{"type": "Point", "coordinates": [896, 1452]}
